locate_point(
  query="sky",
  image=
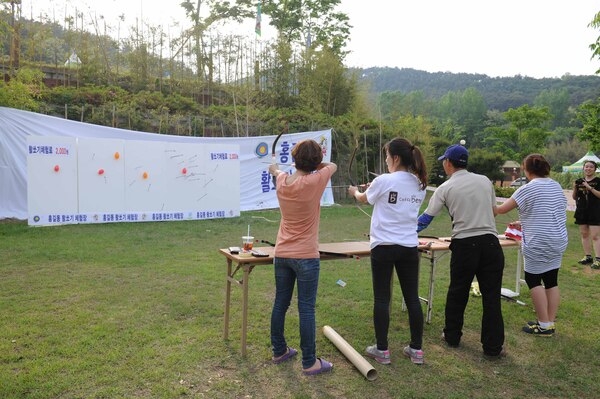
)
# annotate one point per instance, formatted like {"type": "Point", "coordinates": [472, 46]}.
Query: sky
{"type": "Point", "coordinates": [536, 38]}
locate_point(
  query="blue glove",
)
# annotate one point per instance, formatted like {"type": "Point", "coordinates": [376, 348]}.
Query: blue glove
{"type": "Point", "coordinates": [423, 221]}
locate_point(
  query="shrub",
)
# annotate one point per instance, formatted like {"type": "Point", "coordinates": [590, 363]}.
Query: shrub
{"type": "Point", "coordinates": [504, 192]}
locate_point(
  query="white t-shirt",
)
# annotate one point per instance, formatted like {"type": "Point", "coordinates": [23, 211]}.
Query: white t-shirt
{"type": "Point", "coordinates": [396, 198]}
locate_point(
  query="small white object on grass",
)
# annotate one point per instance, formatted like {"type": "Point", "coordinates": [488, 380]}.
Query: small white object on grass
{"type": "Point", "coordinates": [511, 295]}
{"type": "Point", "coordinates": [508, 292]}
{"type": "Point", "coordinates": [463, 142]}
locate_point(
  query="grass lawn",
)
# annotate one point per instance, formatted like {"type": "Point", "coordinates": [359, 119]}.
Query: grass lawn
{"type": "Point", "coordinates": [136, 311]}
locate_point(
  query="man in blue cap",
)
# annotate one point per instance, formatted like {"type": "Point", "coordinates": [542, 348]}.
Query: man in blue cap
{"type": "Point", "coordinates": [476, 251]}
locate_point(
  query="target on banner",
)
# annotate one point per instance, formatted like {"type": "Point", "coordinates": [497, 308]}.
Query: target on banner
{"type": "Point", "coordinates": [262, 149]}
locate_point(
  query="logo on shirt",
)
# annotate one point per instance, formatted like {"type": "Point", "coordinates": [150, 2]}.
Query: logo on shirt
{"type": "Point", "coordinates": [392, 197]}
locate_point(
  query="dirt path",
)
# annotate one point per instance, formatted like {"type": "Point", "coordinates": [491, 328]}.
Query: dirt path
{"type": "Point", "coordinates": [570, 200]}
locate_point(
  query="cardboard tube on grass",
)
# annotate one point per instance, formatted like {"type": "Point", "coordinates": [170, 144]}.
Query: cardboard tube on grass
{"type": "Point", "coordinates": [351, 354]}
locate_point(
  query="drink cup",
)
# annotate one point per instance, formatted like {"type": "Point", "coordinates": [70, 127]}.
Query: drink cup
{"type": "Point", "coordinates": [247, 243]}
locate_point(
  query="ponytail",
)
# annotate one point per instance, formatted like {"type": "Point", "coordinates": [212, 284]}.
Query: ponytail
{"type": "Point", "coordinates": [411, 157]}
{"type": "Point", "coordinates": [419, 167]}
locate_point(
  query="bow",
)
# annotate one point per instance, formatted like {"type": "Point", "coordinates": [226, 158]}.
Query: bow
{"type": "Point", "coordinates": [352, 157]}
{"type": "Point", "coordinates": [273, 155]}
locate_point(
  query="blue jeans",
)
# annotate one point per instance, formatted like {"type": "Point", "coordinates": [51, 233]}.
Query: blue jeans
{"type": "Point", "coordinates": [306, 272]}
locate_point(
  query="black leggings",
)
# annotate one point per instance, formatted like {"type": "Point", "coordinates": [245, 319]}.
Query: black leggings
{"type": "Point", "coordinates": [384, 259]}
{"type": "Point", "coordinates": [550, 279]}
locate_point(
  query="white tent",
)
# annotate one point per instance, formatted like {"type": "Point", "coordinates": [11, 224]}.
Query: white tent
{"type": "Point", "coordinates": [578, 166]}
{"type": "Point", "coordinates": [73, 61]}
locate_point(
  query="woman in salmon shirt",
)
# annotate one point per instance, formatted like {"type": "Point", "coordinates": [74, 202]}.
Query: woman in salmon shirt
{"type": "Point", "coordinates": [297, 257]}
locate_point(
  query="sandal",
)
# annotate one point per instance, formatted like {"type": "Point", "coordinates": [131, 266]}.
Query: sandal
{"type": "Point", "coordinates": [325, 366]}
{"type": "Point", "coordinates": [291, 352]}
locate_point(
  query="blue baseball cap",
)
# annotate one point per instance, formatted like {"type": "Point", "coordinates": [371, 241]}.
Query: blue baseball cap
{"type": "Point", "coordinates": [456, 153]}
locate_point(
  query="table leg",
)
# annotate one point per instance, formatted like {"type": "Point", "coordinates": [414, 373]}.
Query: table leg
{"type": "Point", "coordinates": [519, 270]}
{"type": "Point", "coordinates": [227, 301]}
{"type": "Point", "coordinates": [431, 282]}
{"type": "Point", "coordinates": [245, 307]}
{"type": "Point", "coordinates": [429, 300]}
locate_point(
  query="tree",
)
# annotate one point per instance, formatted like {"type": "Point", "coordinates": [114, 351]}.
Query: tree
{"type": "Point", "coordinates": [324, 85]}
{"type": "Point", "coordinates": [312, 23]}
{"type": "Point", "coordinates": [530, 124]}
{"type": "Point", "coordinates": [395, 104]}
{"type": "Point", "coordinates": [589, 115]}
{"type": "Point", "coordinates": [564, 153]}
{"type": "Point", "coordinates": [54, 50]}
{"type": "Point", "coordinates": [282, 82]}
{"type": "Point", "coordinates": [461, 115]}
{"type": "Point", "coordinates": [562, 134]}
{"type": "Point", "coordinates": [518, 132]}
{"type": "Point", "coordinates": [15, 30]}
{"type": "Point", "coordinates": [595, 47]}
{"type": "Point", "coordinates": [557, 101]}
{"type": "Point", "coordinates": [22, 91]}
{"type": "Point", "coordinates": [138, 64]}
{"type": "Point", "coordinates": [487, 163]}
{"type": "Point", "coordinates": [311, 38]}
{"type": "Point", "coordinates": [418, 130]}
{"type": "Point", "coordinates": [217, 11]}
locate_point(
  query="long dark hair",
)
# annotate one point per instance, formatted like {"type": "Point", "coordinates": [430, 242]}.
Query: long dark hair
{"type": "Point", "coordinates": [410, 156]}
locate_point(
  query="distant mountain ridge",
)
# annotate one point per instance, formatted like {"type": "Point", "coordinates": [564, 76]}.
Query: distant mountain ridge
{"type": "Point", "coordinates": [500, 93]}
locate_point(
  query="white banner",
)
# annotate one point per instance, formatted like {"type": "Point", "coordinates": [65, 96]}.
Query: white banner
{"type": "Point", "coordinates": [255, 185]}
{"type": "Point", "coordinates": [82, 180]}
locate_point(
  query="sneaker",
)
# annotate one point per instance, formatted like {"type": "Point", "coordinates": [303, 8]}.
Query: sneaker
{"type": "Point", "coordinates": [586, 260]}
{"type": "Point", "coordinates": [416, 355]}
{"type": "Point", "coordinates": [500, 355]}
{"type": "Point", "coordinates": [596, 264]}
{"type": "Point", "coordinates": [451, 345]}
{"type": "Point", "coordinates": [382, 357]}
{"type": "Point", "coordinates": [533, 323]}
{"type": "Point", "coordinates": [539, 331]}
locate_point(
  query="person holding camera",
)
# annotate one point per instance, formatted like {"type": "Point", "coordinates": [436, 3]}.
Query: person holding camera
{"type": "Point", "coordinates": [587, 213]}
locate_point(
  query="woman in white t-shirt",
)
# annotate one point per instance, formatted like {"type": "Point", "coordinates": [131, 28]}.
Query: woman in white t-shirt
{"type": "Point", "coordinates": [396, 197]}
{"type": "Point", "coordinates": [543, 216]}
